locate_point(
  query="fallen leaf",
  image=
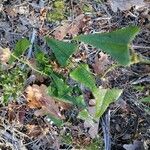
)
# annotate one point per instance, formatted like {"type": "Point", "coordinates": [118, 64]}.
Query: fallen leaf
{"type": "Point", "coordinates": [43, 13]}
{"type": "Point", "coordinates": [33, 96]}
{"type": "Point", "coordinates": [61, 32]}
{"type": "Point", "coordinates": [76, 25]}
{"type": "Point", "coordinates": [37, 97]}
{"type": "Point", "coordinates": [125, 4]}
{"type": "Point", "coordinates": [11, 11]}
{"type": "Point", "coordinates": [70, 28]}
{"type": "Point", "coordinates": [4, 55]}
{"type": "Point", "coordinates": [93, 131]}
{"type": "Point", "coordinates": [33, 130]}
{"type": "Point", "coordinates": [11, 112]}
{"type": "Point", "coordinates": [21, 114]}
{"type": "Point", "coordinates": [101, 63]}
{"type": "Point", "coordinates": [16, 113]}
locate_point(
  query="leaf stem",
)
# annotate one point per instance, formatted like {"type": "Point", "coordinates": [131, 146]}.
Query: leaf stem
{"type": "Point", "coordinates": [109, 69]}
{"type": "Point", "coordinates": [28, 64]}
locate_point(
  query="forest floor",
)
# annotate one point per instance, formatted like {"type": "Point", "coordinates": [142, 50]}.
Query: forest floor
{"type": "Point", "coordinates": [21, 129]}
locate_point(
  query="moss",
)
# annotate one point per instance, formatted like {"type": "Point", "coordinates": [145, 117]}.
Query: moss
{"type": "Point", "coordinates": [58, 12]}
{"type": "Point", "coordinates": [87, 8]}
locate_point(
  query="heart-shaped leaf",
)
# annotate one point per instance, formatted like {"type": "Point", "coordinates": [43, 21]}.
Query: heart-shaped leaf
{"type": "Point", "coordinates": [115, 43]}
{"type": "Point", "coordinates": [62, 50]}
{"type": "Point", "coordinates": [83, 75]}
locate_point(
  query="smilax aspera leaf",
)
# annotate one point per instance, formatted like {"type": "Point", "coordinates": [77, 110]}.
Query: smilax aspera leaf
{"type": "Point", "coordinates": [62, 50]}
{"type": "Point", "coordinates": [115, 43]}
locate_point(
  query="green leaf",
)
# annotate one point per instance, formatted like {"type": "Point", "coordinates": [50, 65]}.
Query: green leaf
{"type": "Point", "coordinates": [95, 144]}
{"type": "Point", "coordinates": [39, 55]}
{"type": "Point", "coordinates": [80, 102]}
{"type": "Point", "coordinates": [104, 97]}
{"type": "Point", "coordinates": [83, 75]}
{"type": "Point", "coordinates": [115, 43]}
{"type": "Point", "coordinates": [61, 86]}
{"type": "Point", "coordinates": [146, 99]}
{"type": "Point", "coordinates": [42, 61]}
{"type": "Point", "coordinates": [21, 46]}
{"type": "Point", "coordinates": [62, 50]}
{"type": "Point", "coordinates": [84, 115]}
{"type": "Point", "coordinates": [67, 138]}
{"type": "Point", "coordinates": [58, 122]}
{"type": "Point", "coordinates": [62, 92]}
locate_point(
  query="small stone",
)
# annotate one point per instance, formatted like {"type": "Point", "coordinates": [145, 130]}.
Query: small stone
{"type": "Point", "coordinates": [92, 102]}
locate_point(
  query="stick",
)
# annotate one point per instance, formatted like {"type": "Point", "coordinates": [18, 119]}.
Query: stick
{"type": "Point", "coordinates": [105, 122]}
{"type": "Point", "coordinates": [31, 46]}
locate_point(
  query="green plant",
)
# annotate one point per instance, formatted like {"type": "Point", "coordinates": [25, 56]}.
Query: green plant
{"type": "Point", "coordinates": [115, 43]}
{"type": "Point", "coordinates": [146, 99]}
{"type": "Point", "coordinates": [12, 83]}
{"type": "Point", "coordinates": [58, 12]}
{"type": "Point", "coordinates": [95, 145]}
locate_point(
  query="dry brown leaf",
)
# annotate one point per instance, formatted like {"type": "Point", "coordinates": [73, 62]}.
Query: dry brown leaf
{"type": "Point", "coordinates": [33, 130]}
{"type": "Point", "coordinates": [70, 28]}
{"type": "Point", "coordinates": [21, 114]}
{"type": "Point", "coordinates": [60, 70]}
{"type": "Point", "coordinates": [11, 112]}
{"type": "Point", "coordinates": [38, 97]}
{"type": "Point", "coordinates": [43, 13]}
{"type": "Point", "coordinates": [93, 131]}
{"type": "Point", "coordinates": [125, 4]}
{"type": "Point", "coordinates": [61, 32]}
{"type": "Point", "coordinates": [33, 96]}
{"type": "Point", "coordinates": [11, 11]}
{"type": "Point", "coordinates": [16, 112]}
{"type": "Point", "coordinates": [76, 25]}
{"type": "Point", "coordinates": [4, 55]}
{"type": "Point", "coordinates": [101, 63]}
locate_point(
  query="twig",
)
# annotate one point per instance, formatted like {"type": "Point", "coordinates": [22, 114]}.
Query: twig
{"type": "Point", "coordinates": [141, 80]}
{"type": "Point", "coordinates": [138, 46]}
{"type": "Point", "coordinates": [31, 46]}
{"type": "Point", "coordinates": [105, 121]}
{"type": "Point", "coordinates": [32, 41]}
{"type": "Point", "coordinates": [16, 143]}
{"type": "Point", "coordinates": [27, 63]}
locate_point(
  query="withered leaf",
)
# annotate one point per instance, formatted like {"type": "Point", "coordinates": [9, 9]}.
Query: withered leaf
{"type": "Point", "coordinates": [70, 28]}
{"type": "Point", "coordinates": [125, 4]}
{"type": "Point", "coordinates": [93, 127]}
{"type": "Point", "coordinates": [33, 130]}
{"type": "Point", "coordinates": [101, 63]}
{"type": "Point", "coordinates": [38, 97]}
{"type": "Point", "coordinates": [4, 55]}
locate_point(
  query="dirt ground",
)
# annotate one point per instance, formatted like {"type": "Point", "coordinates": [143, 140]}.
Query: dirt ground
{"type": "Point", "coordinates": [129, 128]}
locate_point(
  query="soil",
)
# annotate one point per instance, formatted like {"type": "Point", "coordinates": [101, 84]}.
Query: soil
{"type": "Point", "coordinates": [129, 118]}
